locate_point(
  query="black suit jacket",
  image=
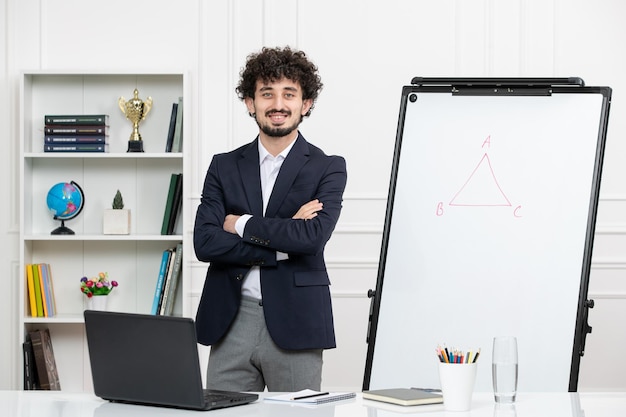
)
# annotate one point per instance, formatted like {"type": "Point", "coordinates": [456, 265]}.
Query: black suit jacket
{"type": "Point", "coordinates": [296, 297]}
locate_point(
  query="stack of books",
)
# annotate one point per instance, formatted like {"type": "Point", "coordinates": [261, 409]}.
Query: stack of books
{"type": "Point", "coordinates": [40, 369]}
{"type": "Point", "coordinates": [167, 281]}
{"type": "Point", "coordinates": [40, 290]}
{"type": "Point", "coordinates": [76, 133]}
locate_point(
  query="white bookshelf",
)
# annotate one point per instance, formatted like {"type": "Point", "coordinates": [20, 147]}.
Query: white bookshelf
{"type": "Point", "coordinates": [143, 179]}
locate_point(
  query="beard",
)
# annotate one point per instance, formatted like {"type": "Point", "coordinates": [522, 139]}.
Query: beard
{"type": "Point", "coordinates": [277, 132]}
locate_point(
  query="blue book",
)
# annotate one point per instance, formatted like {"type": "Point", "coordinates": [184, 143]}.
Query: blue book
{"type": "Point", "coordinates": [44, 275]}
{"type": "Point", "coordinates": [44, 291]}
{"type": "Point", "coordinates": [158, 291]}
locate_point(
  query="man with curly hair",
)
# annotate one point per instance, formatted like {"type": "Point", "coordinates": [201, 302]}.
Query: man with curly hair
{"type": "Point", "coordinates": [267, 211]}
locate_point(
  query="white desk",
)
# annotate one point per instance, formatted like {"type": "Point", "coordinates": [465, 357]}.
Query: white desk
{"type": "Point", "coordinates": [60, 404]}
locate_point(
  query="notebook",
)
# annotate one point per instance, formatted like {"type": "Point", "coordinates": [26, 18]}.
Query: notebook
{"type": "Point", "coordinates": [308, 396]}
{"type": "Point", "coordinates": [405, 396]}
{"type": "Point", "coordinates": [150, 360]}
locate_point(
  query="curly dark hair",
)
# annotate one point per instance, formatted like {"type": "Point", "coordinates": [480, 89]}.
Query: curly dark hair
{"type": "Point", "coordinates": [272, 64]}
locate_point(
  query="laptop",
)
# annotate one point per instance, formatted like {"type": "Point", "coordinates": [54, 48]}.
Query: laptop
{"type": "Point", "coordinates": [150, 360]}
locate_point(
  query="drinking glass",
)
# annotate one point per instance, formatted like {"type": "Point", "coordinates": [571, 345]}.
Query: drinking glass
{"type": "Point", "coordinates": [504, 369]}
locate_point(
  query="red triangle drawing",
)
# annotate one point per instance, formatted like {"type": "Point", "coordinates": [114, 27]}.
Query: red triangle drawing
{"type": "Point", "coordinates": [481, 188]}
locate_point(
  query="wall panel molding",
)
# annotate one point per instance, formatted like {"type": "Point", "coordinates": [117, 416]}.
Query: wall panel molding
{"type": "Point", "coordinates": [359, 228]}
{"type": "Point", "coordinates": [608, 263]}
{"type": "Point", "coordinates": [607, 296]}
{"type": "Point", "coordinates": [610, 228]}
{"type": "Point", "coordinates": [613, 197]}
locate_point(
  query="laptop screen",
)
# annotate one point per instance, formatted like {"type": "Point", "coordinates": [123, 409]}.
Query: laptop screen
{"type": "Point", "coordinates": [144, 359]}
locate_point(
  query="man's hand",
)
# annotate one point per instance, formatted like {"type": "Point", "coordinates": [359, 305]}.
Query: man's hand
{"type": "Point", "coordinates": [229, 223]}
{"type": "Point", "coordinates": [309, 210]}
{"type": "Point", "coordinates": [306, 212]}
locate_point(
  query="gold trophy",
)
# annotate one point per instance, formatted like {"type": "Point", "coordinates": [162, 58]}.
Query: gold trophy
{"type": "Point", "coordinates": [135, 110]}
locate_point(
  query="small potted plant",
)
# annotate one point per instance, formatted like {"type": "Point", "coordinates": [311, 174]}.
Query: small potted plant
{"type": "Point", "coordinates": [96, 289]}
{"type": "Point", "coordinates": [116, 220]}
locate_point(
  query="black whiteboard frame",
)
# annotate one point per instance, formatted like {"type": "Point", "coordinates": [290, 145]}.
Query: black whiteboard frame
{"type": "Point", "coordinates": [499, 87]}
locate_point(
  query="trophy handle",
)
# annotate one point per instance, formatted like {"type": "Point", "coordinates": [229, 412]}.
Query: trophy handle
{"type": "Point", "coordinates": [122, 103]}
{"type": "Point", "coordinates": [147, 106]}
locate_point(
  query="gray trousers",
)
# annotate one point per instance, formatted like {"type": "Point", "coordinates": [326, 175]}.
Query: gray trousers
{"type": "Point", "coordinates": [247, 359]}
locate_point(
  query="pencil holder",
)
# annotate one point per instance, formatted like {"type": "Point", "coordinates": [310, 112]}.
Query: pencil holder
{"type": "Point", "coordinates": [457, 385]}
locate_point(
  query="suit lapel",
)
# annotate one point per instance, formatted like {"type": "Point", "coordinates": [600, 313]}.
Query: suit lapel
{"type": "Point", "coordinates": [297, 157]}
{"type": "Point", "coordinates": [251, 178]}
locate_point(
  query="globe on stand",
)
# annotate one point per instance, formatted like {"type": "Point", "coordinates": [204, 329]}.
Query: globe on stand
{"type": "Point", "coordinates": [65, 200]}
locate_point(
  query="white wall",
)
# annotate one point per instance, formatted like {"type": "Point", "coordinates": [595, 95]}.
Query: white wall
{"type": "Point", "coordinates": [366, 51]}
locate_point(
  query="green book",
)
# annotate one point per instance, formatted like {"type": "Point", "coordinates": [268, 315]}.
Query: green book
{"type": "Point", "coordinates": [169, 203]}
{"type": "Point", "coordinates": [176, 202]}
{"type": "Point", "coordinates": [38, 294]}
{"type": "Point", "coordinates": [77, 119]}
{"type": "Point", "coordinates": [405, 396]}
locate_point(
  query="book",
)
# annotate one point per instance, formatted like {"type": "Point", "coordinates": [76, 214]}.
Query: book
{"type": "Point", "coordinates": [173, 283]}
{"type": "Point", "coordinates": [172, 128]}
{"type": "Point", "coordinates": [177, 143]}
{"type": "Point", "coordinates": [44, 360]}
{"type": "Point", "coordinates": [42, 288]}
{"type": "Point", "coordinates": [168, 204]}
{"type": "Point", "coordinates": [47, 298]}
{"type": "Point", "coordinates": [77, 119]}
{"type": "Point", "coordinates": [77, 147]}
{"type": "Point", "coordinates": [54, 302]}
{"type": "Point", "coordinates": [159, 283]}
{"type": "Point", "coordinates": [308, 396]}
{"type": "Point", "coordinates": [37, 286]}
{"type": "Point", "coordinates": [44, 271]}
{"type": "Point", "coordinates": [63, 130]}
{"type": "Point", "coordinates": [31, 381]}
{"type": "Point", "coordinates": [178, 195]}
{"type": "Point", "coordinates": [167, 282]}
{"type": "Point", "coordinates": [77, 139]}
{"type": "Point", "coordinates": [168, 273]}
{"type": "Point", "coordinates": [405, 396]}
{"type": "Point", "coordinates": [30, 285]}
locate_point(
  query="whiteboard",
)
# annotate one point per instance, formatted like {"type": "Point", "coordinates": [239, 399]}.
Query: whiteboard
{"type": "Point", "coordinates": [488, 232]}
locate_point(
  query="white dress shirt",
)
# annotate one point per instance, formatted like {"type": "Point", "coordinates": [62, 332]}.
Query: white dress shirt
{"type": "Point", "coordinates": [269, 167]}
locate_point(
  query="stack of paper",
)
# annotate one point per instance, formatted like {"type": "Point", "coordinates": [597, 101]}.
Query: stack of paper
{"type": "Point", "coordinates": [308, 396]}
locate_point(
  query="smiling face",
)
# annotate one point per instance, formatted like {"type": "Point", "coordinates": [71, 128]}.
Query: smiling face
{"type": "Point", "coordinates": [278, 108]}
